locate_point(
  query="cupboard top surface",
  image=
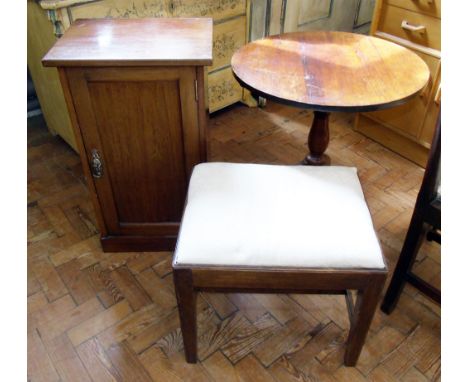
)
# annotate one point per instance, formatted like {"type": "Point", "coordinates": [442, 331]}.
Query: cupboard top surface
{"type": "Point", "coordinates": [134, 42]}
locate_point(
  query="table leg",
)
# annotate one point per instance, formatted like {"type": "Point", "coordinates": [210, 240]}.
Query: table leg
{"type": "Point", "coordinates": [318, 140]}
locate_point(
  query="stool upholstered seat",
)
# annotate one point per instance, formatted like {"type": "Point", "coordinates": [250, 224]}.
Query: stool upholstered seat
{"type": "Point", "coordinates": [277, 216]}
{"type": "Point", "coordinates": [250, 228]}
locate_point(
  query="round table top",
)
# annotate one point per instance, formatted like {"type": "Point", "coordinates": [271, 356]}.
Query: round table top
{"type": "Point", "coordinates": [331, 71]}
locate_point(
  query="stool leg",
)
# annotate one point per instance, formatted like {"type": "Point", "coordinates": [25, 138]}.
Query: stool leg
{"type": "Point", "coordinates": [366, 305]}
{"type": "Point", "coordinates": [187, 305]}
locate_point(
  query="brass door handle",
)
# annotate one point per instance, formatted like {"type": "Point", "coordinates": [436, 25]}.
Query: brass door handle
{"type": "Point", "coordinates": [97, 169]}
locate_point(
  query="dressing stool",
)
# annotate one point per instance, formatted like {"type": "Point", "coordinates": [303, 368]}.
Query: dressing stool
{"type": "Point", "coordinates": [278, 229]}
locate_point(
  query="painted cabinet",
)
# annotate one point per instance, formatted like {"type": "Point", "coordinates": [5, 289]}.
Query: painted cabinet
{"type": "Point", "coordinates": [408, 129]}
{"type": "Point", "coordinates": [41, 37]}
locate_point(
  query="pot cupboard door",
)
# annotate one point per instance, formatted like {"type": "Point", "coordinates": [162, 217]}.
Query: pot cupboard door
{"type": "Point", "coordinates": [139, 128]}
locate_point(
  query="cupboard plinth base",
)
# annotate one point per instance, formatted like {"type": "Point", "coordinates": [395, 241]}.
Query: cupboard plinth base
{"type": "Point", "coordinates": [138, 243]}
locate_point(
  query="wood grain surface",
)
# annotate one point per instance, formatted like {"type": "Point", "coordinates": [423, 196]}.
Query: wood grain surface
{"type": "Point", "coordinates": [242, 337]}
{"type": "Point", "coordinates": [130, 42]}
{"type": "Point", "coordinates": [331, 71]}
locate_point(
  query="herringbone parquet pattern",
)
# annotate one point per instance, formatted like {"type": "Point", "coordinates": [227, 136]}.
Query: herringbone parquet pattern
{"type": "Point", "coordinates": [112, 317]}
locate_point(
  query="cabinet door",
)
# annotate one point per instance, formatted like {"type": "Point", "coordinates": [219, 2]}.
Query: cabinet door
{"type": "Point", "coordinates": [427, 131]}
{"type": "Point", "coordinates": [364, 12]}
{"type": "Point", "coordinates": [305, 15]}
{"type": "Point", "coordinates": [141, 124]}
{"type": "Point", "coordinates": [301, 14]}
{"type": "Point", "coordinates": [408, 118]}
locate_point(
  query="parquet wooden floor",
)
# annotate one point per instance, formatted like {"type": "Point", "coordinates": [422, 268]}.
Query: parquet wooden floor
{"type": "Point", "coordinates": [112, 317]}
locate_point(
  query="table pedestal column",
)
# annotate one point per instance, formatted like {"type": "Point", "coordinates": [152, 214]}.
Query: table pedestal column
{"type": "Point", "coordinates": [318, 140]}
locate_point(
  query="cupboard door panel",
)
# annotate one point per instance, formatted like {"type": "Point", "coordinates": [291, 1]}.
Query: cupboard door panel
{"type": "Point", "coordinates": [87, 127]}
{"type": "Point", "coordinates": [142, 118]}
{"type": "Point", "coordinates": [139, 121]}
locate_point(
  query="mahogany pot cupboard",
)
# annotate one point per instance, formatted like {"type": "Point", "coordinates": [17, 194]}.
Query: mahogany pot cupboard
{"type": "Point", "coordinates": [135, 94]}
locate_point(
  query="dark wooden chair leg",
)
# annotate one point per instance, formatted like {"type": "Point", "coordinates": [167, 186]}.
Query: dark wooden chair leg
{"type": "Point", "coordinates": [366, 305]}
{"type": "Point", "coordinates": [414, 238]}
{"type": "Point", "coordinates": [187, 305]}
{"type": "Point", "coordinates": [426, 215]}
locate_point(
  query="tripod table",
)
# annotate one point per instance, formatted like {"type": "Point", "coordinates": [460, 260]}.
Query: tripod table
{"type": "Point", "coordinates": [330, 71]}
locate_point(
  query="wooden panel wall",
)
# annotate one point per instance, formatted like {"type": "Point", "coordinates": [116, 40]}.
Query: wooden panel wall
{"type": "Point", "coordinates": [279, 16]}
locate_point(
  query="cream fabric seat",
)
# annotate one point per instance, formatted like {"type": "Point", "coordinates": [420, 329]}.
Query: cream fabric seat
{"type": "Point", "coordinates": [250, 215]}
